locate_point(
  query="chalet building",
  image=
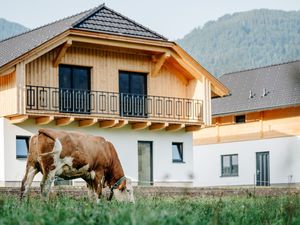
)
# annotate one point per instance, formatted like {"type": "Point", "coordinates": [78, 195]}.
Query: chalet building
{"type": "Point", "coordinates": [254, 138]}
{"type": "Point", "coordinates": [100, 73]}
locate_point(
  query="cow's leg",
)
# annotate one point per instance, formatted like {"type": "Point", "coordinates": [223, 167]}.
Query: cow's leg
{"type": "Point", "coordinates": [27, 180]}
{"type": "Point", "coordinates": [46, 186]}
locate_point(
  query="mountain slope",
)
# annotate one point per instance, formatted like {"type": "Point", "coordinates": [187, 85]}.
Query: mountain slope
{"type": "Point", "coordinates": [245, 40]}
{"type": "Point", "coordinates": [8, 29]}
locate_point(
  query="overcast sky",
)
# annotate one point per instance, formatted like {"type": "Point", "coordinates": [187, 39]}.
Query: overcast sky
{"type": "Point", "coordinates": [171, 18]}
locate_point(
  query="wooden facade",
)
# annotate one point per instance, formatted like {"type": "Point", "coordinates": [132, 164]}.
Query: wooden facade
{"type": "Point", "coordinates": [170, 75]}
{"type": "Point", "coordinates": [258, 125]}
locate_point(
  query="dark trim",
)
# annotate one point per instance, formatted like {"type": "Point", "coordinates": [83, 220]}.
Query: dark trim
{"type": "Point", "coordinates": [182, 155]}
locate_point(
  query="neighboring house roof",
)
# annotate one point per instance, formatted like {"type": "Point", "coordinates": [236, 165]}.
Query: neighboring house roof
{"type": "Point", "coordinates": [270, 87]}
{"type": "Point", "coordinates": [100, 19]}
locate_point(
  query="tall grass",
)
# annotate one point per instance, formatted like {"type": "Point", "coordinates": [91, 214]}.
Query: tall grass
{"type": "Point", "coordinates": [230, 210]}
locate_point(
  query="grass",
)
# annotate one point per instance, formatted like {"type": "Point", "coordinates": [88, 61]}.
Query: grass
{"type": "Point", "coordinates": [227, 210]}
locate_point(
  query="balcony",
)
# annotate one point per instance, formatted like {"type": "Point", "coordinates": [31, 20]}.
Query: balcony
{"type": "Point", "coordinates": [112, 105]}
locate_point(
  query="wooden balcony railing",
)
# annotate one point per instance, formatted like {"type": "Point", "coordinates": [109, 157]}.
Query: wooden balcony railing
{"type": "Point", "coordinates": [112, 104]}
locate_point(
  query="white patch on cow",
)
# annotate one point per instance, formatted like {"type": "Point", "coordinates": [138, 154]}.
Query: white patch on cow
{"type": "Point", "coordinates": [93, 174]}
{"type": "Point", "coordinates": [30, 175]}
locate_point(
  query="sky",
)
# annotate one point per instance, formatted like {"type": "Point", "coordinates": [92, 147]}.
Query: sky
{"type": "Point", "coordinates": [171, 18]}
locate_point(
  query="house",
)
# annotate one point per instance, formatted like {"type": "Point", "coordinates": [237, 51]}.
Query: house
{"type": "Point", "coordinates": [102, 73]}
{"type": "Point", "coordinates": [254, 138]}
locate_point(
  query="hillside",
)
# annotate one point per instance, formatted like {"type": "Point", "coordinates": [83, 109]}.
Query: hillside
{"type": "Point", "coordinates": [8, 29]}
{"type": "Point", "coordinates": [245, 40]}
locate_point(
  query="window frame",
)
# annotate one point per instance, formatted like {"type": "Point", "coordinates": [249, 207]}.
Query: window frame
{"type": "Point", "coordinates": [243, 117]}
{"type": "Point", "coordinates": [26, 138]}
{"type": "Point", "coordinates": [180, 144]}
{"type": "Point", "coordinates": [231, 174]}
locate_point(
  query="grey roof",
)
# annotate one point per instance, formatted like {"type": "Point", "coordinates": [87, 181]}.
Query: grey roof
{"type": "Point", "coordinates": [100, 19]}
{"type": "Point", "coordinates": [281, 83]}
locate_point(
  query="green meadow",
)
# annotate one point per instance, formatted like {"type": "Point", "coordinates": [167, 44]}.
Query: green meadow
{"type": "Point", "coordinates": [63, 210]}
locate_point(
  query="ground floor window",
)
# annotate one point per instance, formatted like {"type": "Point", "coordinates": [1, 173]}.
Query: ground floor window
{"type": "Point", "coordinates": [22, 145]}
{"type": "Point", "coordinates": [177, 152]}
{"type": "Point", "coordinates": [229, 164]}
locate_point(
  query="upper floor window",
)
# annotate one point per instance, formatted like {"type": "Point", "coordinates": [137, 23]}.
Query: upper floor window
{"type": "Point", "coordinates": [229, 164]}
{"type": "Point", "coordinates": [22, 146]}
{"type": "Point", "coordinates": [177, 152]}
{"type": "Point", "coordinates": [74, 84]}
{"type": "Point", "coordinates": [240, 119]}
{"type": "Point", "coordinates": [133, 94]}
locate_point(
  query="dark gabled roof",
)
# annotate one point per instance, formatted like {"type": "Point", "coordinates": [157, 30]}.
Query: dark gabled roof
{"type": "Point", "coordinates": [100, 19]}
{"type": "Point", "coordinates": [106, 20]}
{"type": "Point", "coordinates": [280, 83]}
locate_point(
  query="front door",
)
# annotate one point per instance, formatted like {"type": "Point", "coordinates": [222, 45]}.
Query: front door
{"type": "Point", "coordinates": [262, 169]}
{"type": "Point", "coordinates": [133, 94]}
{"type": "Point", "coordinates": [74, 89]}
{"type": "Point", "coordinates": [145, 163]}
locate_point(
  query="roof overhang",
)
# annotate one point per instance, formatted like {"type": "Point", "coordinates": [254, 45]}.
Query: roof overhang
{"type": "Point", "coordinates": [191, 68]}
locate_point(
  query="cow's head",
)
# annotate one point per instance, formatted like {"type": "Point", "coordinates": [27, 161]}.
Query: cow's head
{"type": "Point", "coordinates": [124, 192]}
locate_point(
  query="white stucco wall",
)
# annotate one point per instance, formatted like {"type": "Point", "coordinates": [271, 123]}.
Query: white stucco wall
{"type": "Point", "coordinates": [284, 161]}
{"type": "Point", "coordinates": [1, 151]}
{"type": "Point", "coordinates": [125, 141]}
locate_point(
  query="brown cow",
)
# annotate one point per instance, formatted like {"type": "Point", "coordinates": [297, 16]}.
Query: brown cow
{"type": "Point", "coordinates": [72, 155]}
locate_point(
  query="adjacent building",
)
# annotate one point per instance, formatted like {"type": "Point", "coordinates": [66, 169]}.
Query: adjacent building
{"type": "Point", "coordinates": [102, 73]}
{"type": "Point", "coordinates": [254, 138]}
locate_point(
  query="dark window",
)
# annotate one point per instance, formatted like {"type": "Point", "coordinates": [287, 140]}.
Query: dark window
{"type": "Point", "coordinates": [177, 152]}
{"type": "Point", "coordinates": [240, 119]}
{"type": "Point", "coordinates": [230, 166]}
{"type": "Point", "coordinates": [22, 144]}
{"type": "Point", "coordinates": [133, 94]}
{"type": "Point", "coordinates": [74, 85]}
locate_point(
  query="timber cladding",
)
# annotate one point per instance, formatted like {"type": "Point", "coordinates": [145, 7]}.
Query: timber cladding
{"type": "Point", "coordinates": [105, 66]}
{"type": "Point", "coordinates": [258, 125]}
{"type": "Point", "coordinates": [8, 93]}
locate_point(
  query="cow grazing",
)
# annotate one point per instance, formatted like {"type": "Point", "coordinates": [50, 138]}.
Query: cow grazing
{"type": "Point", "coordinates": [71, 155]}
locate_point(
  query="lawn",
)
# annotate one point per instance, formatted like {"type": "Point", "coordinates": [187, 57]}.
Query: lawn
{"type": "Point", "coordinates": [157, 210]}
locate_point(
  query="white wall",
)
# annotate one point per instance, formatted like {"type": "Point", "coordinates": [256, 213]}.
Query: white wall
{"type": "Point", "coordinates": [284, 161]}
{"type": "Point", "coordinates": [125, 141]}
{"type": "Point", "coordinates": [2, 152]}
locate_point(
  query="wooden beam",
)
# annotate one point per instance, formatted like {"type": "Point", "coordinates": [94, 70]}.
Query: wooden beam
{"type": "Point", "coordinates": [174, 127]}
{"type": "Point", "coordinates": [87, 122]}
{"type": "Point", "coordinates": [159, 63]}
{"type": "Point", "coordinates": [42, 120]}
{"type": "Point", "coordinates": [108, 123]}
{"type": "Point", "coordinates": [61, 53]}
{"type": "Point", "coordinates": [121, 123]}
{"type": "Point", "coordinates": [64, 121]}
{"type": "Point", "coordinates": [192, 128]}
{"type": "Point", "coordinates": [18, 119]}
{"type": "Point", "coordinates": [158, 126]}
{"type": "Point", "coordinates": [8, 71]}
{"type": "Point", "coordinates": [179, 75]}
{"type": "Point", "coordinates": [140, 125]}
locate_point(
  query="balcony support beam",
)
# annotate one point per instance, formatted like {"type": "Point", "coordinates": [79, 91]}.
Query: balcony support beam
{"type": "Point", "coordinates": [140, 125]}
{"type": "Point", "coordinates": [43, 120]}
{"type": "Point", "coordinates": [174, 127]}
{"type": "Point", "coordinates": [121, 123]}
{"type": "Point", "coordinates": [18, 119]}
{"type": "Point", "coordinates": [158, 126]}
{"type": "Point", "coordinates": [61, 53]}
{"type": "Point", "coordinates": [87, 122]}
{"type": "Point", "coordinates": [64, 121]}
{"type": "Point", "coordinates": [192, 128]}
{"type": "Point", "coordinates": [108, 123]}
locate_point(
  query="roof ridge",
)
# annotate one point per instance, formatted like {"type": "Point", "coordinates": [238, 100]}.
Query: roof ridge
{"type": "Point", "coordinates": [103, 6]}
{"type": "Point", "coordinates": [262, 67]}
{"type": "Point", "coordinates": [92, 11]}
{"type": "Point", "coordinates": [34, 29]}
